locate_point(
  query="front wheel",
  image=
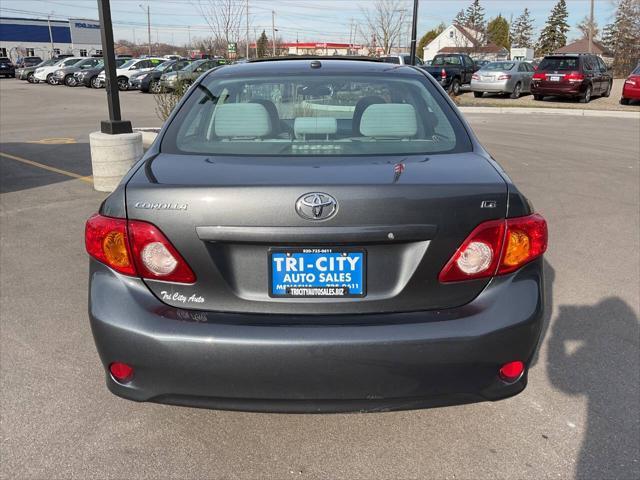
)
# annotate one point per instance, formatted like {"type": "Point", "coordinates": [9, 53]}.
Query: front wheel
{"type": "Point", "coordinates": [608, 91]}
{"type": "Point", "coordinates": [123, 84]}
{"type": "Point", "coordinates": [31, 78]}
{"type": "Point", "coordinates": [478, 94]}
{"type": "Point", "coordinates": [155, 86]}
{"type": "Point", "coordinates": [586, 96]}
{"type": "Point", "coordinates": [95, 82]}
{"type": "Point", "coordinates": [455, 87]}
{"type": "Point", "coordinates": [517, 91]}
{"type": "Point", "coordinates": [51, 79]}
{"type": "Point", "coordinates": [70, 81]}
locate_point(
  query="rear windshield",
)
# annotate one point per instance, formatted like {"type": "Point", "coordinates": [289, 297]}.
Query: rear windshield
{"type": "Point", "coordinates": [316, 115]}
{"type": "Point", "coordinates": [390, 59]}
{"type": "Point", "coordinates": [560, 63]}
{"type": "Point", "coordinates": [4, 59]}
{"type": "Point", "coordinates": [636, 71]}
{"type": "Point", "coordinates": [440, 60]}
{"type": "Point", "coordinates": [498, 66]}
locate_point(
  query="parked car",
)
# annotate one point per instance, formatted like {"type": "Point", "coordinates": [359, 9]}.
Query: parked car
{"type": "Point", "coordinates": [89, 77]}
{"type": "Point", "coordinates": [481, 63]}
{"type": "Point", "coordinates": [260, 258]}
{"type": "Point", "coordinates": [631, 88]}
{"type": "Point", "coordinates": [133, 66]}
{"type": "Point", "coordinates": [150, 81]}
{"type": "Point", "coordinates": [581, 76]}
{"type": "Point", "coordinates": [7, 69]}
{"type": "Point", "coordinates": [66, 75]}
{"type": "Point", "coordinates": [503, 77]}
{"type": "Point", "coordinates": [452, 71]}
{"type": "Point", "coordinates": [27, 73]}
{"type": "Point", "coordinates": [45, 74]}
{"type": "Point", "coordinates": [169, 81]}
{"type": "Point", "coordinates": [400, 59]}
{"type": "Point", "coordinates": [26, 62]}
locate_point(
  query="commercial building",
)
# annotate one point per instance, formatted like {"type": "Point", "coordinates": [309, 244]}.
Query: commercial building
{"type": "Point", "coordinates": [23, 37]}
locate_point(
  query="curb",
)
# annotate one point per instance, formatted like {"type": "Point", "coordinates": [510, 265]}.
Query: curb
{"type": "Point", "coordinates": [553, 111]}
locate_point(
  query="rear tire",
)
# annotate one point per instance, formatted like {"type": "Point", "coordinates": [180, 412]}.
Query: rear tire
{"type": "Point", "coordinates": [608, 90]}
{"type": "Point", "coordinates": [517, 91]}
{"type": "Point", "coordinates": [478, 94]}
{"type": "Point", "coordinates": [70, 81]}
{"type": "Point", "coordinates": [123, 84]}
{"type": "Point", "coordinates": [539, 98]}
{"type": "Point", "coordinates": [31, 78]}
{"type": "Point", "coordinates": [586, 96]}
{"type": "Point", "coordinates": [454, 88]}
{"type": "Point", "coordinates": [624, 101]}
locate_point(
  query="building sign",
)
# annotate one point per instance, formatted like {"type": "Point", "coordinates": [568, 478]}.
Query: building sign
{"type": "Point", "coordinates": [84, 32]}
{"type": "Point", "coordinates": [232, 47]}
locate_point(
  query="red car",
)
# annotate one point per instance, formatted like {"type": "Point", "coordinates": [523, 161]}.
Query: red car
{"type": "Point", "coordinates": [631, 89]}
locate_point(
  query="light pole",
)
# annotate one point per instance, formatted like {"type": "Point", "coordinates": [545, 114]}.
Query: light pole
{"type": "Point", "coordinates": [591, 28]}
{"type": "Point", "coordinates": [273, 31]}
{"type": "Point", "coordinates": [148, 10]}
{"type": "Point", "coordinates": [414, 32]}
{"type": "Point", "coordinates": [247, 39]}
{"type": "Point", "coordinates": [50, 34]}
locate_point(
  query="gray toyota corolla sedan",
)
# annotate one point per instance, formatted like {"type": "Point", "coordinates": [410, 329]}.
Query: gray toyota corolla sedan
{"type": "Point", "coordinates": [316, 235]}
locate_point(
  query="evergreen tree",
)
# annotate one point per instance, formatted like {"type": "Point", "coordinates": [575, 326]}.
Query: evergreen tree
{"type": "Point", "coordinates": [429, 37]}
{"type": "Point", "coordinates": [498, 31]}
{"type": "Point", "coordinates": [475, 17]}
{"type": "Point", "coordinates": [554, 34]}
{"type": "Point", "coordinates": [461, 18]}
{"type": "Point", "coordinates": [262, 45]}
{"type": "Point", "coordinates": [622, 36]}
{"type": "Point", "coordinates": [522, 30]}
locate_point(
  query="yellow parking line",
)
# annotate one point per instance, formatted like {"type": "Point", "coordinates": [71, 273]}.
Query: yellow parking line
{"type": "Point", "coordinates": [88, 179]}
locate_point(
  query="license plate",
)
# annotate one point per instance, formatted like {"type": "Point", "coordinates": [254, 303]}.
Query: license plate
{"type": "Point", "coordinates": [487, 79]}
{"type": "Point", "coordinates": [317, 272]}
{"type": "Point", "coordinates": [554, 78]}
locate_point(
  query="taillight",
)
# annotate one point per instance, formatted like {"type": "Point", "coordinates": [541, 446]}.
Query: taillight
{"type": "Point", "coordinates": [135, 248]}
{"type": "Point", "coordinates": [504, 77]}
{"type": "Point", "coordinates": [475, 76]}
{"type": "Point", "coordinates": [443, 73]}
{"type": "Point", "coordinates": [539, 76]}
{"type": "Point", "coordinates": [630, 81]}
{"type": "Point", "coordinates": [497, 247]}
{"type": "Point", "coordinates": [574, 77]}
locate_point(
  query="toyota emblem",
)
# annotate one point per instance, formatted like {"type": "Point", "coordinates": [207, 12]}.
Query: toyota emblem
{"type": "Point", "coordinates": [316, 206]}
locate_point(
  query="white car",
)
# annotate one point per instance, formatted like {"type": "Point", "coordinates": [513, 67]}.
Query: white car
{"type": "Point", "coordinates": [45, 74]}
{"type": "Point", "coordinates": [135, 65]}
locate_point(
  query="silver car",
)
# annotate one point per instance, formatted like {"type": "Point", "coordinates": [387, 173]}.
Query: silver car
{"type": "Point", "coordinates": [511, 77]}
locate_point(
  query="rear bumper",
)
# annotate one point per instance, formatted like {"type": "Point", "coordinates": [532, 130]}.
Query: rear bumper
{"type": "Point", "coordinates": [495, 87]}
{"type": "Point", "coordinates": [558, 90]}
{"type": "Point", "coordinates": [270, 363]}
{"type": "Point", "coordinates": [631, 92]}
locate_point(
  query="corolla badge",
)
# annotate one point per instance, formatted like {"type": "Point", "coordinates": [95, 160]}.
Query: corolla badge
{"type": "Point", "coordinates": [316, 206]}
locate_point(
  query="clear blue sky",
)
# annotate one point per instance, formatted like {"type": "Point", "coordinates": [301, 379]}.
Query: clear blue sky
{"type": "Point", "coordinates": [310, 20]}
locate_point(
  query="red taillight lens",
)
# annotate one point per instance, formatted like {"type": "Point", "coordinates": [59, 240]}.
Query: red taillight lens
{"type": "Point", "coordinates": [443, 73]}
{"type": "Point", "coordinates": [135, 248]}
{"type": "Point", "coordinates": [574, 77]}
{"type": "Point", "coordinates": [475, 76]}
{"type": "Point", "coordinates": [121, 372]}
{"type": "Point", "coordinates": [497, 247]}
{"type": "Point", "coordinates": [512, 371]}
{"type": "Point", "coordinates": [539, 76]}
{"type": "Point", "coordinates": [504, 77]}
{"type": "Point", "coordinates": [106, 239]}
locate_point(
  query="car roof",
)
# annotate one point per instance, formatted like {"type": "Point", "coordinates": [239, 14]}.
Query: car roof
{"type": "Point", "coordinates": [290, 65]}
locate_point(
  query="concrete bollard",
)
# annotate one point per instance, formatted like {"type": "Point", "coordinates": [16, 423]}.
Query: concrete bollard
{"type": "Point", "coordinates": [112, 156]}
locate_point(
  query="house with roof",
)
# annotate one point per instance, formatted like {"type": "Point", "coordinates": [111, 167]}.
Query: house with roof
{"type": "Point", "coordinates": [457, 38]}
{"type": "Point", "coordinates": [582, 46]}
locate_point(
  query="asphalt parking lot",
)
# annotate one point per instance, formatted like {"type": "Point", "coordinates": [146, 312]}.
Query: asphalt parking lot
{"type": "Point", "coordinates": [578, 418]}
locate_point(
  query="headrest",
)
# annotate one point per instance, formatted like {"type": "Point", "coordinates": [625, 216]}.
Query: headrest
{"type": "Point", "coordinates": [315, 126]}
{"type": "Point", "coordinates": [389, 120]}
{"type": "Point", "coordinates": [242, 120]}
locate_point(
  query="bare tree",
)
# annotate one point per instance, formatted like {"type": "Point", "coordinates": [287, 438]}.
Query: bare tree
{"type": "Point", "coordinates": [384, 22]}
{"type": "Point", "coordinates": [224, 18]}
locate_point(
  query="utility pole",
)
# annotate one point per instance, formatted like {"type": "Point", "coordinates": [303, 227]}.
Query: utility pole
{"type": "Point", "coordinates": [591, 28]}
{"type": "Point", "coordinates": [148, 25]}
{"type": "Point", "coordinates": [273, 31]}
{"type": "Point", "coordinates": [414, 32]}
{"type": "Point", "coordinates": [247, 39]}
{"type": "Point", "coordinates": [189, 33]}
{"type": "Point", "coordinates": [50, 34]}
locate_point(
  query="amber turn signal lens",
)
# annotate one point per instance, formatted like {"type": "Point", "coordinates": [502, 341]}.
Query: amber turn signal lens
{"type": "Point", "coordinates": [518, 248]}
{"type": "Point", "coordinates": [114, 247]}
